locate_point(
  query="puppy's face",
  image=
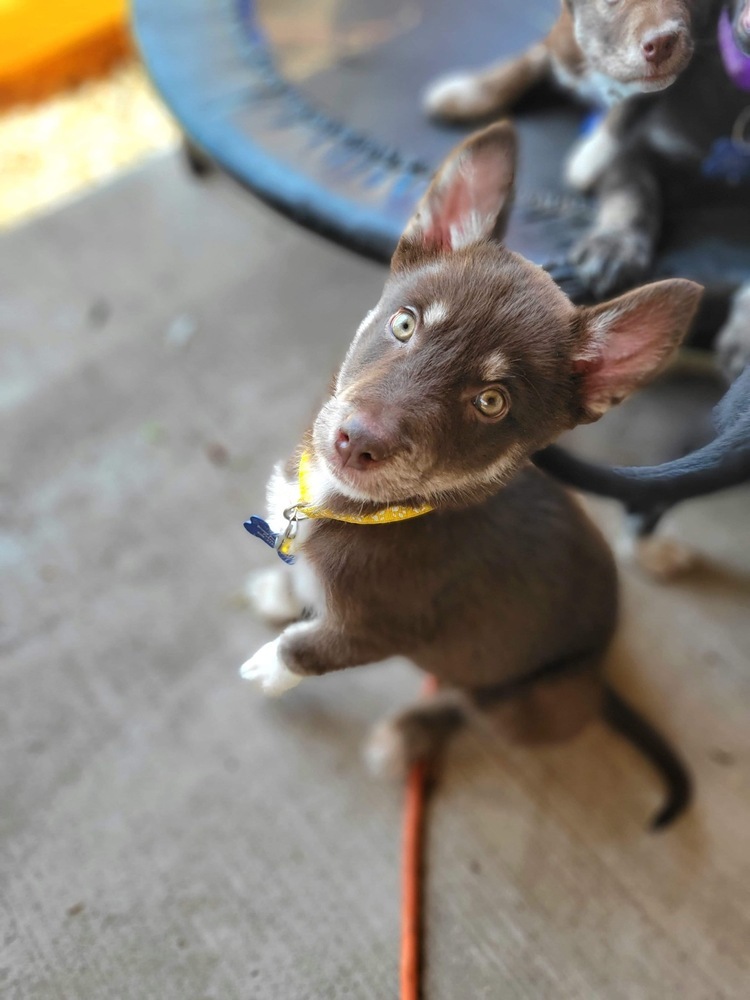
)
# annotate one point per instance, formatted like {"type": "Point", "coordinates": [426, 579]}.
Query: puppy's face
{"type": "Point", "coordinates": [643, 45]}
{"type": "Point", "coordinates": [452, 379]}
{"type": "Point", "coordinates": [473, 358]}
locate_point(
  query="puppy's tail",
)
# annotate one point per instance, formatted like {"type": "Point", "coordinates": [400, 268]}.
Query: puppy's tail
{"type": "Point", "coordinates": [626, 721]}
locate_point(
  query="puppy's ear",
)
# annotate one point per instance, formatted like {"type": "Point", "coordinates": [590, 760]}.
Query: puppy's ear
{"type": "Point", "coordinates": [624, 343]}
{"type": "Point", "coordinates": [468, 200]}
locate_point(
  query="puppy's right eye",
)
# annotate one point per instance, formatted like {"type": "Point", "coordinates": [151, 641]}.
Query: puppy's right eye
{"type": "Point", "coordinates": [403, 324]}
{"type": "Point", "coordinates": [492, 403]}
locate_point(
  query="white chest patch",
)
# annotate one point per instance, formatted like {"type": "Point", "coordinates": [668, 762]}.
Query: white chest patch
{"type": "Point", "coordinates": [280, 496]}
{"type": "Point", "coordinates": [307, 590]}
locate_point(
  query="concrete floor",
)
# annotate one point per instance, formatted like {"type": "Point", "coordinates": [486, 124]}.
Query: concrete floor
{"type": "Point", "coordinates": [165, 834]}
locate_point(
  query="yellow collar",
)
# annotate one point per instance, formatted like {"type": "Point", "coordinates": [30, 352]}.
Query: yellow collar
{"type": "Point", "coordinates": [394, 512]}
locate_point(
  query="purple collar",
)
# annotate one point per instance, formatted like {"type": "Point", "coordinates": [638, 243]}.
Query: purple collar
{"type": "Point", "coordinates": [736, 63]}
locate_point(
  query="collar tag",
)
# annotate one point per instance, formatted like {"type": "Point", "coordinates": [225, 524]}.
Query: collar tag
{"type": "Point", "coordinates": [281, 542]}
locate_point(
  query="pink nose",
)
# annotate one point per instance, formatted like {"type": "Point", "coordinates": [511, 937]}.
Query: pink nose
{"type": "Point", "coordinates": [358, 446]}
{"type": "Point", "coordinates": [659, 48]}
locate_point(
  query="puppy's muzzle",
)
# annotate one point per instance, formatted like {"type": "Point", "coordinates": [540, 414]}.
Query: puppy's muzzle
{"type": "Point", "coordinates": [361, 444]}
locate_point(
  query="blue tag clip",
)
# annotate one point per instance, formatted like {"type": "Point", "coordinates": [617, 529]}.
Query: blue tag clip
{"type": "Point", "coordinates": [261, 529]}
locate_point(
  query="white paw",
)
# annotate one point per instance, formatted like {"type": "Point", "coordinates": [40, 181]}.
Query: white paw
{"type": "Point", "coordinates": [385, 751]}
{"type": "Point", "coordinates": [455, 96]}
{"type": "Point", "coordinates": [271, 595]}
{"type": "Point", "coordinates": [269, 671]}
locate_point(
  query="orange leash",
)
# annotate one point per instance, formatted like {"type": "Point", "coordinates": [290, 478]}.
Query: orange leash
{"type": "Point", "coordinates": [412, 888]}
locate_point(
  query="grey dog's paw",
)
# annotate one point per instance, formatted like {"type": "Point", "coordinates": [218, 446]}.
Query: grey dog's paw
{"type": "Point", "coordinates": [607, 261]}
{"type": "Point", "coordinates": [733, 342]}
{"type": "Point", "coordinates": [665, 559]}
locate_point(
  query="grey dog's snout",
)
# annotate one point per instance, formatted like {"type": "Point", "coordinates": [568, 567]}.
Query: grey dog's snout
{"type": "Point", "coordinates": [659, 47]}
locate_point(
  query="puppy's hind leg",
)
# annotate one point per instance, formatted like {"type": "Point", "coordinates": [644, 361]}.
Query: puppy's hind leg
{"type": "Point", "coordinates": [416, 733]}
{"type": "Point", "coordinates": [569, 696]}
{"type": "Point", "coordinates": [551, 705]}
{"type": "Point", "coordinates": [554, 707]}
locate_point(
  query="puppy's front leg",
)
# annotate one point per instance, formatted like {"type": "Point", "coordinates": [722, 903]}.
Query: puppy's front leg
{"type": "Point", "coordinates": [464, 97]}
{"type": "Point", "coordinates": [308, 649]}
{"type": "Point", "coordinates": [594, 155]}
{"type": "Point", "coordinates": [618, 251]}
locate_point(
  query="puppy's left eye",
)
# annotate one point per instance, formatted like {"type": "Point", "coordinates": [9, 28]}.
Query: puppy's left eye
{"type": "Point", "coordinates": [403, 324]}
{"type": "Point", "coordinates": [492, 403]}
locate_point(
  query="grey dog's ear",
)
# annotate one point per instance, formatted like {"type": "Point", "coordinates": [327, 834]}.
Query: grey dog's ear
{"type": "Point", "coordinates": [468, 200]}
{"type": "Point", "coordinates": [629, 340]}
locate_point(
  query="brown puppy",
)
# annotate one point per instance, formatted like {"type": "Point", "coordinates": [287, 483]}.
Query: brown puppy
{"type": "Point", "coordinates": [602, 51]}
{"type": "Point", "coordinates": [472, 360]}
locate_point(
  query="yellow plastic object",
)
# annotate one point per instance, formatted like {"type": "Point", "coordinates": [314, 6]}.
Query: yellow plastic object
{"type": "Point", "coordinates": [46, 45]}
